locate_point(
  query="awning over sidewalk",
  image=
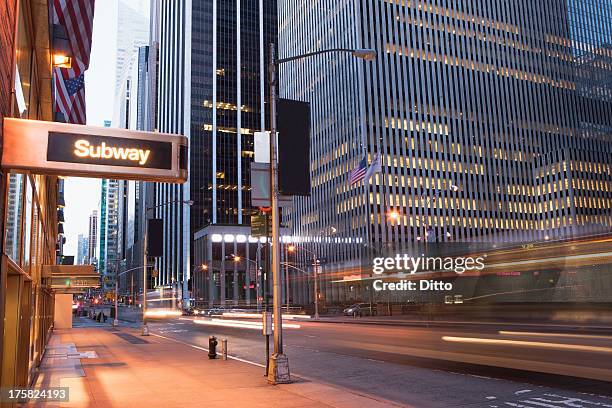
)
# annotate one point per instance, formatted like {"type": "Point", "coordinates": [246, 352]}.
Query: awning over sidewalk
{"type": "Point", "coordinates": [71, 278]}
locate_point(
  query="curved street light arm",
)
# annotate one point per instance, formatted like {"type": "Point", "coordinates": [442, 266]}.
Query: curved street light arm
{"type": "Point", "coordinates": [312, 54]}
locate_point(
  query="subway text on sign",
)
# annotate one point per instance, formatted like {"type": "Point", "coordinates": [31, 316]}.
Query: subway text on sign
{"type": "Point", "coordinates": [82, 148]}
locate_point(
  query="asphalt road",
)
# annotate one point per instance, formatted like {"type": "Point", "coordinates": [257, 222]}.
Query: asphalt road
{"type": "Point", "coordinates": [492, 366]}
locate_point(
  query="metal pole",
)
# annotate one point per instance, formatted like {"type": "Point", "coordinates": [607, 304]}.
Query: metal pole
{"type": "Point", "coordinates": [279, 364]}
{"type": "Point", "coordinates": [116, 320]}
{"type": "Point", "coordinates": [145, 328]}
{"type": "Point", "coordinates": [287, 277]}
{"type": "Point", "coordinates": [316, 286]}
{"type": "Point", "coordinates": [259, 278]}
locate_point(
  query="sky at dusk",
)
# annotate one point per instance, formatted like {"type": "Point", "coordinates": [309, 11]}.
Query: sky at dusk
{"type": "Point", "coordinates": [83, 195]}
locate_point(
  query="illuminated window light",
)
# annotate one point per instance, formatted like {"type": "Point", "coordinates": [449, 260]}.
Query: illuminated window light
{"type": "Point", "coordinates": [216, 238]}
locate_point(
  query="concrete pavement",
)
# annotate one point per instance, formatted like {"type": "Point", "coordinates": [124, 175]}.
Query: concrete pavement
{"type": "Point", "coordinates": [390, 363]}
{"type": "Point", "coordinates": [116, 367]}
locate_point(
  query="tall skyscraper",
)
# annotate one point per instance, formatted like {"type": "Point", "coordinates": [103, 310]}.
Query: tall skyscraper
{"type": "Point", "coordinates": [82, 249]}
{"type": "Point", "coordinates": [93, 238]}
{"type": "Point", "coordinates": [103, 223]}
{"type": "Point", "coordinates": [210, 88]}
{"type": "Point", "coordinates": [492, 119]}
{"type": "Point", "coordinates": [132, 33]}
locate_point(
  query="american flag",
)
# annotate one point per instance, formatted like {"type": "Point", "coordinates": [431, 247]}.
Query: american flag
{"type": "Point", "coordinates": [76, 16]}
{"type": "Point", "coordinates": [70, 96]}
{"type": "Point", "coordinates": [359, 172]}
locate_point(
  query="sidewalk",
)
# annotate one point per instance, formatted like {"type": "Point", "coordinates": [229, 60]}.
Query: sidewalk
{"type": "Point", "coordinates": [116, 367]}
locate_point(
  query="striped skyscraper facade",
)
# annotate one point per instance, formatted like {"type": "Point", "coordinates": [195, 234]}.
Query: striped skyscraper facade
{"type": "Point", "coordinates": [493, 120]}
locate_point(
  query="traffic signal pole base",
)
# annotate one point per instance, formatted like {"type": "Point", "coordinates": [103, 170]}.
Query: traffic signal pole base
{"type": "Point", "coordinates": [145, 330]}
{"type": "Point", "coordinates": [278, 370]}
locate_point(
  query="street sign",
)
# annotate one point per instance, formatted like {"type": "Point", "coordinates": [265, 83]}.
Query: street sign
{"type": "Point", "coordinates": [260, 227]}
{"type": "Point", "coordinates": [89, 151]}
{"type": "Point", "coordinates": [155, 273]}
{"type": "Point", "coordinates": [260, 187]}
{"type": "Point", "coordinates": [266, 318]}
{"type": "Point", "coordinates": [75, 282]}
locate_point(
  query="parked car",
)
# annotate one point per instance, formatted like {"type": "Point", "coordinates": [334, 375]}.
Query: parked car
{"type": "Point", "coordinates": [360, 309]}
{"type": "Point", "coordinates": [215, 311]}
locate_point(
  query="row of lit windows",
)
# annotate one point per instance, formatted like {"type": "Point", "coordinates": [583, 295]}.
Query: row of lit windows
{"type": "Point", "coordinates": [478, 66]}
{"type": "Point", "coordinates": [227, 106]}
{"type": "Point", "coordinates": [415, 221]}
{"type": "Point", "coordinates": [209, 128]}
{"type": "Point", "coordinates": [591, 185]}
{"type": "Point", "coordinates": [599, 168]}
{"type": "Point", "coordinates": [340, 151]}
{"type": "Point", "coordinates": [469, 33]}
{"type": "Point", "coordinates": [432, 128]}
{"type": "Point", "coordinates": [229, 187]}
{"type": "Point", "coordinates": [457, 15]}
{"type": "Point", "coordinates": [593, 203]}
{"type": "Point", "coordinates": [593, 219]}
{"type": "Point", "coordinates": [465, 222]}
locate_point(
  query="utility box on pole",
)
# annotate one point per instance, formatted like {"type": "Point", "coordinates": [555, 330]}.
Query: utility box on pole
{"type": "Point", "coordinates": [266, 318]}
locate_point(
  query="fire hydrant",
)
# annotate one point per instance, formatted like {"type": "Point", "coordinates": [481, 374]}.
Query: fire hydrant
{"type": "Point", "coordinates": [212, 347]}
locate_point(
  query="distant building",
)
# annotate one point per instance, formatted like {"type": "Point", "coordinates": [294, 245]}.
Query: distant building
{"type": "Point", "coordinates": [132, 33]}
{"type": "Point", "coordinates": [93, 238]}
{"type": "Point", "coordinates": [82, 249]}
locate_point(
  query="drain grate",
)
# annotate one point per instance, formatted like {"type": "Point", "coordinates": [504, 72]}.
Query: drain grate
{"type": "Point", "coordinates": [131, 338]}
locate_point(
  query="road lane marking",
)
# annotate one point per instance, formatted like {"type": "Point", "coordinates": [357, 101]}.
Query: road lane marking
{"type": "Point", "coordinates": [519, 343]}
{"type": "Point", "coordinates": [538, 334]}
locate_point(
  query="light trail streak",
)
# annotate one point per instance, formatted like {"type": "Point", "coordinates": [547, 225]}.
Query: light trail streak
{"type": "Point", "coordinates": [569, 335]}
{"type": "Point", "coordinates": [520, 343]}
{"type": "Point", "coordinates": [258, 315]}
{"type": "Point", "coordinates": [240, 324]}
{"type": "Point", "coordinates": [162, 313]}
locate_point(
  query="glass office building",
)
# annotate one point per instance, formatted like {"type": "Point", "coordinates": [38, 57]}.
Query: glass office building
{"type": "Point", "coordinates": [493, 121]}
{"type": "Point", "coordinates": [209, 88]}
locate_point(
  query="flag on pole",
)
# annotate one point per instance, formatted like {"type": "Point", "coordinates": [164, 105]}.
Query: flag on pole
{"type": "Point", "coordinates": [359, 172]}
{"type": "Point", "coordinates": [76, 16]}
{"type": "Point", "coordinates": [375, 167]}
{"type": "Point", "coordinates": [70, 96]}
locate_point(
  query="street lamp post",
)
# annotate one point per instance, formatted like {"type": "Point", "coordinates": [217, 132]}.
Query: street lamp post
{"type": "Point", "coordinates": [116, 320]}
{"type": "Point", "coordinates": [238, 258]}
{"type": "Point", "coordinates": [315, 267]}
{"type": "Point", "coordinates": [211, 282]}
{"type": "Point", "coordinates": [278, 372]}
{"type": "Point", "coordinates": [145, 328]}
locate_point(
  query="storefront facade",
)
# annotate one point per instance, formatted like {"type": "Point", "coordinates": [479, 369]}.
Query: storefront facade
{"type": "Point", "coordinates": [30, 202]}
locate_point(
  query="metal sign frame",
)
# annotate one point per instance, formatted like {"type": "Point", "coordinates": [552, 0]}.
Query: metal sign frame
{"type": "Point", "coordinates": [127, 154]}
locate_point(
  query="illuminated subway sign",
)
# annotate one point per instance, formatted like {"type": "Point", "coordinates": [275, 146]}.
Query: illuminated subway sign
{"type": "Point", "coordinates": [82, 148]}
{"type": "Point", "coordinates": [115, 151]}
{"type": "Point", "coordinates": [65, 149]}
